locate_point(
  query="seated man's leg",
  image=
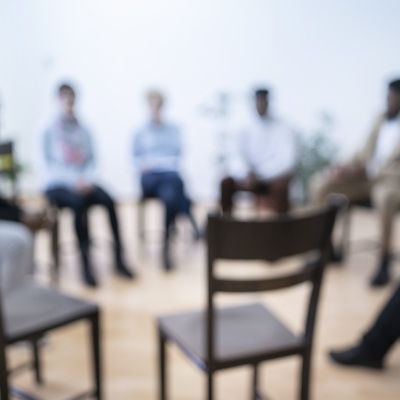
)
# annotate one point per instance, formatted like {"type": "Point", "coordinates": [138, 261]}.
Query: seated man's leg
{"type": "Point", "coordinates": [386, 198]}
{"type": "Point", "coordinates": [170, 192]}
{"type": "Point", "coordinates": [322, 185]}
{"type": "Point", "coordinates": [16, 255]}
{"type": "Point", "coordinates": [176, 195]}
{"type": "Point", "coordinates": [101, 197]}
{"type": "Point", "coordinates": [64, 197]}
{"type": "Point", "coordinates": [275, 194]}
{"type": "Point", "coordinates": [227, 190]}
{"type": "Point", "coordinates": [377, 341]}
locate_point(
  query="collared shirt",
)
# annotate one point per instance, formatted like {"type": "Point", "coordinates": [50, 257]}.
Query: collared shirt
{"type": "Point", "coordinates": [388, 140]}
{"type": "Point", "coordinates": [66, 154]}
{"type": "Point", "coordinates": [265, 147]}
{"type": "Point", "coordinates": [157, 147]}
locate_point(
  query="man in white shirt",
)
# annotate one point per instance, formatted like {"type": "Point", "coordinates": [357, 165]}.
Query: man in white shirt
{"type": "Point", "coordinates": [264, 161]}
{"type": "Point", "coordinates": [373, 173]}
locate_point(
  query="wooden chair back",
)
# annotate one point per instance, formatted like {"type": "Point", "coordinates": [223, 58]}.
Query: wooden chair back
{"type": "Point", "coordinates": [270, 240]}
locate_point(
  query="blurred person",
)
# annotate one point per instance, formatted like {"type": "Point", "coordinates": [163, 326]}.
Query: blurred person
{"type": "Point", "coordinates": [10, 211]}
{"type": "Point", "coordinates": [373, 173]}
{"type": "Point", "coordinates": [264, 160]}
{"type": "Point", "coordinates": [69, 181]}
{"type": "Point", "coordinates": [16, 254]}
{"type": "Point", "coordinates": [157, 150]}
{"type": "Point", "coordinates": [16, 244]}
{"type": "Point", "coordinates": [371, 350]}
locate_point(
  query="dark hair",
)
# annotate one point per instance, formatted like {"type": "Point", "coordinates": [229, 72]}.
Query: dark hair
{"type": "Point", "coordinates": [261, 92]}
{"type": "Point", "coordinates": [395, 85]}
{"type": "Point", "coordinates": [64, 87]}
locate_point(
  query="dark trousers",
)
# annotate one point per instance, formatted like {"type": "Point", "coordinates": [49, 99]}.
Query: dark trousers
{"type": "Point", "coordinates": [80, 203]}
{"type": "Point", "coordinates": [169, 188]}
{"type": "Point", "coordinates": [275, 193]}
{"type": "Point", "coordinates": [386, 329]}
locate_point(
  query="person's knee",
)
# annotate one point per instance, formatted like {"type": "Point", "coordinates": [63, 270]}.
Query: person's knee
{"type": "Point", "coordinates": [227, 183]}
{"type": "Point", "coordinates": [174, 182]}
{"type": "Point", "coordinates": [103, 198]}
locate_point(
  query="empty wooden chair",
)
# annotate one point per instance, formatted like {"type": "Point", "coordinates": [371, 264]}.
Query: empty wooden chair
{"type": "Point", "coordinates": [30, 312]}
{"type": "Point", "coordinates": [220, 338]}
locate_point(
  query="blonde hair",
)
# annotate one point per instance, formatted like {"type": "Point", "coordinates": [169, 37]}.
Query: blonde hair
{"type": "Point", "coordinates": [154, 94]}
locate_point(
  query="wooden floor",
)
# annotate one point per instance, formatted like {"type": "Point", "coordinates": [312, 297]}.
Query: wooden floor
{"type": "Point", "coordinates": [129, 309]}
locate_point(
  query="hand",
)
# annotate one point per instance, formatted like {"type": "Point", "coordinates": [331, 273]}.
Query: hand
{"type": "Point", "coordinates": [36, 221]}
{"type": "Point", "coordinates": [348, 171]}
{"type": "Point", "coordinates": [250, 180]}
{"type": "Point", "coordinates": [84, 188]}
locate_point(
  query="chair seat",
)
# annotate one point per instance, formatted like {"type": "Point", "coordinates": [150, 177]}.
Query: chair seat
{"type": "Point", "coordinates": [241, 332]}
{"type": "Point", "coordinates": [31, 309]}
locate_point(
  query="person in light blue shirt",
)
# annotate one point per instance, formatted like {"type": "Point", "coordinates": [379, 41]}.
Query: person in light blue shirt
{"type": "Point", "coordinates": [157, 150]}
{"type": "Point", "coordinates": [67, 165]}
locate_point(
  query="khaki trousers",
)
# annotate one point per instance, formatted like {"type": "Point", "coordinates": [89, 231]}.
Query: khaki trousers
{"type": "Point", "coordinates": [384, 194]}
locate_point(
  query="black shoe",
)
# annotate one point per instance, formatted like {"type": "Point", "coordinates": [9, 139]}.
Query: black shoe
{"type": "Point", "coordinates": [336, 256]}
{"type": "Point", "coordinates": [89, 277]}
{"type": "Point", "coordinates": [166, 259]}
{"type": "Point", "coordinates": [123, 271]}
{"type": "Point", "coordinates": [382, 278]}
{"type": "Point", "coordinates": [356, 356]}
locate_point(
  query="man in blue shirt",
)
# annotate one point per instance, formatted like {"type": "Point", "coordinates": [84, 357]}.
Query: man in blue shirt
{"type": "Point", "coordinates": [157, 150]}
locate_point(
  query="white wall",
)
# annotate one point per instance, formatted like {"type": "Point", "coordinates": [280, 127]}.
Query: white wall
{"type": "Point", "coordinates": [334, 56]}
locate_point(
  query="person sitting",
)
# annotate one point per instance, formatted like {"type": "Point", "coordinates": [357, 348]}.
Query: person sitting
{"type": "Point", "coordinates": [264, 160]}
{"type": "Point", "coordinates": [67, 162]}
{"type": "Point", "coordinates": [16, 244]}
{"type": "Point", "coordinates": [157, 150]}
{"type": "Point", "coordinates": [373, 173]}
{"type": "Point", "coordinates": [371, 350]}
{"type": "Point", "coordinates": [9, 211]}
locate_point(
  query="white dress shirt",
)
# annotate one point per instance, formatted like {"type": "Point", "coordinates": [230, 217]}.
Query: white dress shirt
{"type": "Point", "coordinates": [388, 140]}
{"type": "Point", "coordinates": [265, 147]}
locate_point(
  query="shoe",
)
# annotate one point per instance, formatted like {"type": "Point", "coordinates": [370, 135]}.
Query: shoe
{"type": "Point", "coordinates": [336, 256]}
{"type": "Point", "coordinates": [357, 357]}
{"type": "Point", "coordinates": [124, 271]}
{"type": "Point", "coordinates": [382, 278]}
{"type": "Point", "coordinates": [166, 259]}
{"type": "Point", "coordinates": [89, 277]}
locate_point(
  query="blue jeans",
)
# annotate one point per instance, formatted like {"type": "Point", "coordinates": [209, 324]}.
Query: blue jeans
{"type": "Point", "coordinates": [169, 188]}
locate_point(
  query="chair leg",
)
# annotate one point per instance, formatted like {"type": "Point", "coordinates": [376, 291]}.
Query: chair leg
{"type": "Point", "coordinates": [140, 222]}
{"type": "Point", "coordinates": [344, 243]}
{"type": "Point", "coordinates": [4, 388]}
{"type": "Point", "coordinates": [162, 368]}
{"type": "Point", "coordinates": [255, 383]}
{"type": "Point", "coordinates": [96, 351]}
{"type": "Point", "coordinates": [36, 361]}
{"type": "Point", "coordinates": [210, 385]}
{"type": "Point", "coordinates": [305, 376]}
{"type": "Point", "coordinates": [55, 247]}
